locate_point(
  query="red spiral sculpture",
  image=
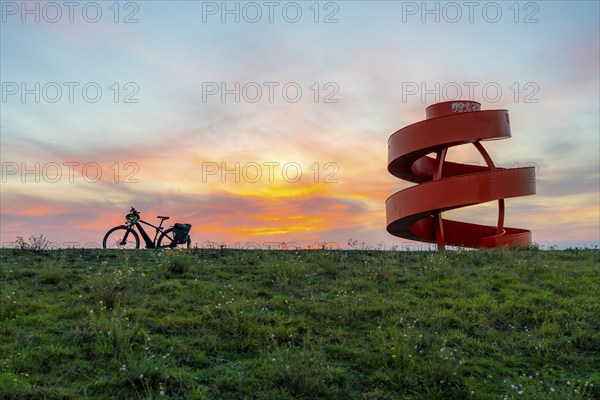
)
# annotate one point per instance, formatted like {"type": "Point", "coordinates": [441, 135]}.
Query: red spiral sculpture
{"type": "Point", "coordinates": [416, 212]}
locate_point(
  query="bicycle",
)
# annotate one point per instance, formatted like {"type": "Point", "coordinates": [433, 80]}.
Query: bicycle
{"type": "Point", "coordinates": [125, 236]}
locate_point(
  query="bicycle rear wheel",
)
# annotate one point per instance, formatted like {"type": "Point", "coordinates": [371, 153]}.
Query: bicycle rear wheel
{"type": "Point", "coordinates": [121, 237]}
{"type": "Point", "coordinates": [167, 240]}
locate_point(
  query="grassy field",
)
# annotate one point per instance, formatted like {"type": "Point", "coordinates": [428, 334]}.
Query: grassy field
{"type": "Point", "coordinates": [320, 324]}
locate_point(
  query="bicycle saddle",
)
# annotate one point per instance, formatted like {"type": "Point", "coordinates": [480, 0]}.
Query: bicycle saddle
{"type": "Point", "coordinates": [162, 217]}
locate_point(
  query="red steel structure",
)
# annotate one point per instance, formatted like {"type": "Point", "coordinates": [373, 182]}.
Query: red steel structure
{"type": "Point", "coordinates": [416, 212]}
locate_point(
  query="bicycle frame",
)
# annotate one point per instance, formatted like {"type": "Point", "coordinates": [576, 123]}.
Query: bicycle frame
{"type": "Point", "coordinates": [150, 244]}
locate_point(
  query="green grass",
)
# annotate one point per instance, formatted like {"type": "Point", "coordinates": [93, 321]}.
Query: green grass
{"type": "Point", "coordinates": [320, 324]}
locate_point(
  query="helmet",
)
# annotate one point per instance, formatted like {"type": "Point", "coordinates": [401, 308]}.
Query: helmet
{"type": "Point", "coordinates": [132, 218]}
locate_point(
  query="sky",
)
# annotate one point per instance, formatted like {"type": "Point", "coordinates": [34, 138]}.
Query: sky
{"type": "Point", "coordinates": [266, 123]}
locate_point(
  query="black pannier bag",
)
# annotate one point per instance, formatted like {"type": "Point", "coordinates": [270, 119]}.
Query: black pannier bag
{"type": "Point", "coordinates": [180, 232]}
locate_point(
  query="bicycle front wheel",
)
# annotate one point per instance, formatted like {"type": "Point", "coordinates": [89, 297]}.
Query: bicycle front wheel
{"type": "Point", "coordinates": [167, 239]}
{"type": "Point", "coordinates": [121, 237]}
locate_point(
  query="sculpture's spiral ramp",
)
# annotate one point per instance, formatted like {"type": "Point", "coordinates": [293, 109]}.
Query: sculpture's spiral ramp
{"type": "Point", "coordinates": [416, 212]}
